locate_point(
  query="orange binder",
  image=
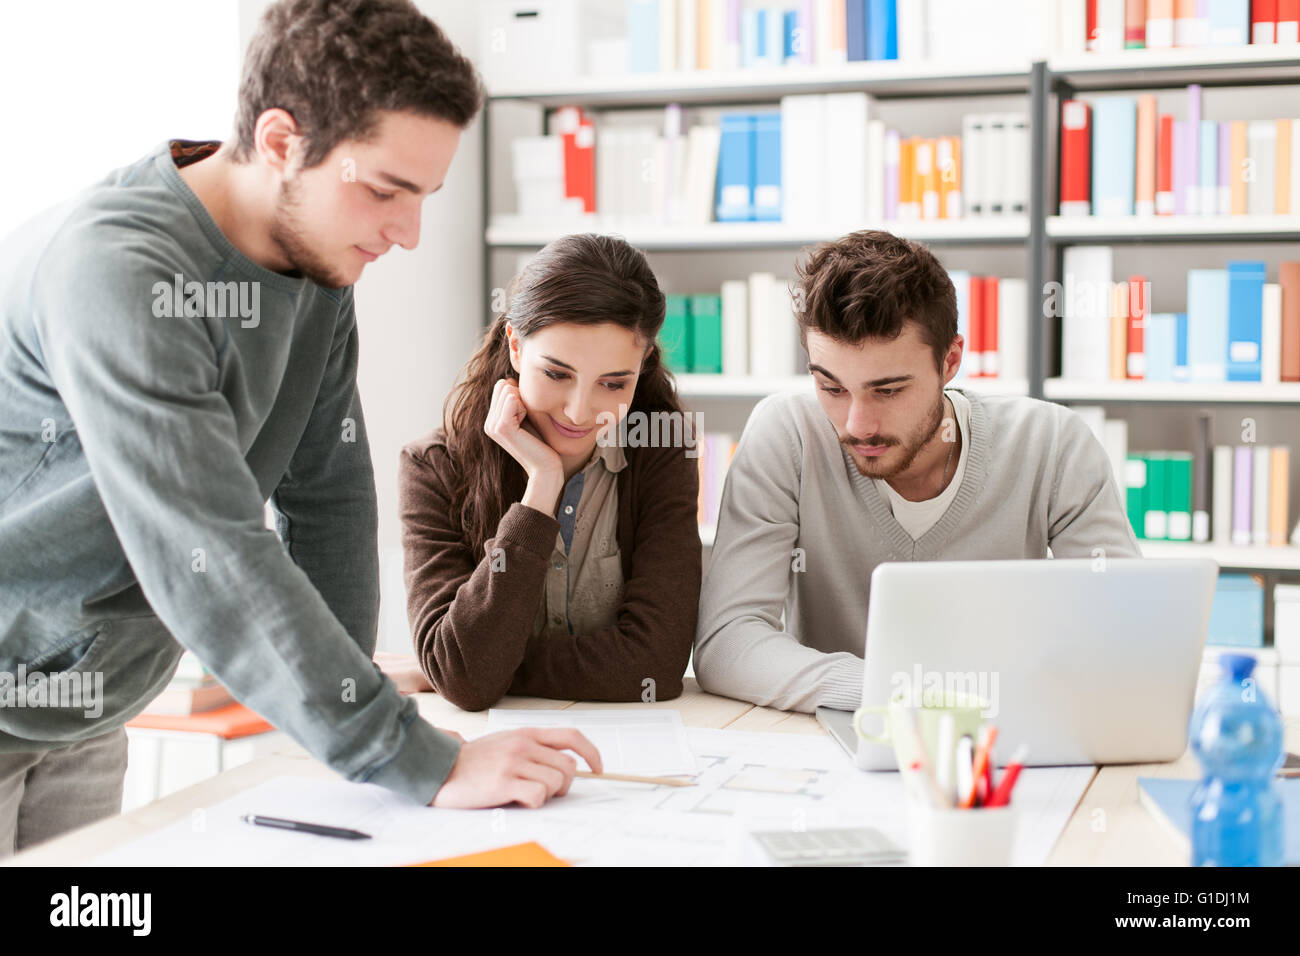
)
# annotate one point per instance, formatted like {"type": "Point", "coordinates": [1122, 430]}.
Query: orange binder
{"type": "Point", "coordinates": [1237, 169]}
{"type": "Point", "coordinates": [1278, 486]}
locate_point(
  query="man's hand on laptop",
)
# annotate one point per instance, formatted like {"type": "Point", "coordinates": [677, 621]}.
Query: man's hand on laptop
{"type": "Point", "coordinates": [526, 766]}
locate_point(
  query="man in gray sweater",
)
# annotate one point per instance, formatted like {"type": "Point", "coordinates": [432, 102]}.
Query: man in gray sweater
{"type": "Point", "coordinates": [884, 463]}
{"type": "Point", "coordinates": [178, 345]}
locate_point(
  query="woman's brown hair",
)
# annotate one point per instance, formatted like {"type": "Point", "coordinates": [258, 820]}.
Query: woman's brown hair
{"type": "Point", "coordinates": [587, 279]}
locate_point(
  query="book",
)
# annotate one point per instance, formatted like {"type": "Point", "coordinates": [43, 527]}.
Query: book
{"type": "Point", "coordinates": [1164, 198]}
{"type": "Point", "coordinates": [706, 333]}
{"type": "Point", "coordinates": [1245, 320]}
{"type": "Point", "coordinates": [1207, 324]}
{"type": "Point", "coordinates": [1202, 486]}
{"type": "Point", "coordinates": [767, 166]}
{"type": "Point", "coordinates": [1260, 493]}
{"type": "Point", "coordinates": [1279, 485]}
{"type": "Point", "coordinates": [1135, 493]}
{"type": "Point", "coordinates": [735, 201]}
{"type": "Point", "coordinates": [1085, 338]}
{"type": "Point", "coordinates": [1242, 486]}
{"type": "Point", "coordinates": [1222, 500]}
{"type": "Point", "coordinates": [1289, 280]}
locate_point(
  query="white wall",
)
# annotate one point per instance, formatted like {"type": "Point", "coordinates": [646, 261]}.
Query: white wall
{"type": "Point", "coordinates": [90, 86]}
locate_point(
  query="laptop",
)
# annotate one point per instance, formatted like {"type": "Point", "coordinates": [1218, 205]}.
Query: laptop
{"type": "Point", "coordinates": [1083, 661]}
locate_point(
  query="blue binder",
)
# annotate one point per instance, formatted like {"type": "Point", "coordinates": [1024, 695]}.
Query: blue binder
{"type": "Point", "coordinates": [736, 168]}
{"type": "Point", "coordinates": [1245, 321]}
{"type": "Point", "coordinates": [767, 167]}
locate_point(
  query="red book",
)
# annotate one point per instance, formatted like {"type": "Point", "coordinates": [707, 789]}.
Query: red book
{"type": "Point", "coordinates": [1165, 166]}
{"type": "Point", "coordinates": [1076, 156]}
{"type": "Point", "coordinates": [1138, 310]}
{"type": "Point", "coordinates": [586, 143]}
{"type": "Point", "coordinates": [1288, 276]}
{"type": "Point", "coordinates": [1135, 24]}
{"type": "Point", "coordinates": [975, 347]}
{"type": "Point", "coordinates": [1092, 25]}
{"type": "Point", "coordinates": [579, 135]}
{"type": "Point", "coordinates": [1263, 21]}
{"type": "Point", "coordinates": [1288, 21]}
{"type": "Point", "coordinates": [989, 366]}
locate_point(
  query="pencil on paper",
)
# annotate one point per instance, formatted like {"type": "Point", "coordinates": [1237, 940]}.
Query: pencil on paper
{"type": "Point", "coordinates": [633, 778]}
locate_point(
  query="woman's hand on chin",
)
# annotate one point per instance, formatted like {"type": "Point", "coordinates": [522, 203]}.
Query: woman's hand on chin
{"type": "Point", "coordinates": [507, 424]}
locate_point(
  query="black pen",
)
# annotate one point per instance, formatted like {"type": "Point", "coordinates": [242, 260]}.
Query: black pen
{"type": "Point", "coordinates": [316, 828]}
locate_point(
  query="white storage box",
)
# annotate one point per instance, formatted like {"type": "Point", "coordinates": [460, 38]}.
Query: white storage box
{"type": "Point", "coordinates": [536, 43]}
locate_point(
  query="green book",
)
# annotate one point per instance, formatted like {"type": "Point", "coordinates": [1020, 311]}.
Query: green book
{"type": "Point", "coordinates": [1178, 491]}
{"type": "Point", "coordinates": [706, 334]}
{"type": "Point", "coordinates": [1156, 522]}
{"type": "Point", "coordinates": [675, 336]}
{"type": "Point", "coordinates": [1135, 493]}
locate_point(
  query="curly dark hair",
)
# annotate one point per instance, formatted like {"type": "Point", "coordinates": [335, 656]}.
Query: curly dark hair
{"type": "Point", "coordinates": [868, 284]}
{"type": "Point", "coordinates": [335, 64]}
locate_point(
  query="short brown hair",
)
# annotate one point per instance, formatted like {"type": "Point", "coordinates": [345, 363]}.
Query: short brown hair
{"type": "Point", "coordinates": [868, 284]}
{"type": "Point", "coordinates": [335, 64]}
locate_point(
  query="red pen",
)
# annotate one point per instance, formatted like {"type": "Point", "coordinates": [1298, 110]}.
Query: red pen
{"type": "Point", "coordinates": [1002, 795]}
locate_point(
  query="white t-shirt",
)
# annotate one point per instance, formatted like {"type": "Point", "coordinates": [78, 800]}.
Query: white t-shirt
{"type": "Point", "coordinates": [918, 517]}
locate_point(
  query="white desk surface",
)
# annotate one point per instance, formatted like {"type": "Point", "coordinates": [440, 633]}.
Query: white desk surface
{"type": "Point", "coordinates": [1109, 827]}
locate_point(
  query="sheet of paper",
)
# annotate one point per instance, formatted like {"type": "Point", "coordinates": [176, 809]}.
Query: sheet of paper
{"type": "Point", "coordinates": [744, 782]}
{"type": "Point", "coordinates": [649, 741]}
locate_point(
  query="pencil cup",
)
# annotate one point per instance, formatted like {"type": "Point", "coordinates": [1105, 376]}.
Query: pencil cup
{"type": "Point", "coordinates": [948, 837]}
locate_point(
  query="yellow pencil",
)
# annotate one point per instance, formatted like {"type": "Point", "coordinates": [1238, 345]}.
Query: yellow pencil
{"type": "Point", "coordinates": [632, 778]}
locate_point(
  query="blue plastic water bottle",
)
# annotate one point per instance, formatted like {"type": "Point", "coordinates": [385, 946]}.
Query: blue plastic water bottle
{"type": "Point", "coordinates": [1237, 736]}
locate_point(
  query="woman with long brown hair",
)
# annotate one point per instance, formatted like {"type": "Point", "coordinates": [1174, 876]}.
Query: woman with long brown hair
{"type": "Point", "coordinates": [545, 553]}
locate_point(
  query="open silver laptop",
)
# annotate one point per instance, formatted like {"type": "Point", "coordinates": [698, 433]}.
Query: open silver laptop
{"type": "Point", "coordinates": [1082, 661]}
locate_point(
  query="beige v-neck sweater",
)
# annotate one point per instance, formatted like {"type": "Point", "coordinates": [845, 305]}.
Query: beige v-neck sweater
{"type": "Point", "coordinates": [801, 529]}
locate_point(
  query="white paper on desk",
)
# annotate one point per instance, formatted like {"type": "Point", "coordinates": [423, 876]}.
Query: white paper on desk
{"type": "Point", "coordinates": [649, 740]}
{"type": "Point", "coordinates": [744, 781]}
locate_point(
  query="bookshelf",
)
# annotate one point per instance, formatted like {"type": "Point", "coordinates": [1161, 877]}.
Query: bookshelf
{"type": "Point", "coordinates": [1041, 234]}
{"type": "Point", "coordinates": [1157, 71]}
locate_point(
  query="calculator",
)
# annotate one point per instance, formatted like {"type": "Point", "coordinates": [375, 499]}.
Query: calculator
{"type": "Point", "coordinates": [832, 846]}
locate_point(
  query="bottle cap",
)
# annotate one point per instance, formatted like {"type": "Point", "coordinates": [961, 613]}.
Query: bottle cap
{"type": "Point", "coordinates": [1238, 665]}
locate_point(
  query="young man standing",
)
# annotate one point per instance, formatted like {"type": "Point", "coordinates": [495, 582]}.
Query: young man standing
{"type": "Point", "coordinates": [178, 345]}
{"type": "Point", "coordinates": [884, 464]}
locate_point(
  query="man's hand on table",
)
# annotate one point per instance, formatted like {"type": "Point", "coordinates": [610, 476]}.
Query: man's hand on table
{"type": "Point", "coordinates": [526, 766]}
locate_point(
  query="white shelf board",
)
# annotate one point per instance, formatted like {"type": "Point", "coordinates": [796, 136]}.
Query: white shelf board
{"type": "Point", "coordinates": [716, 86]}
{"type": "Point", "coordinates": [1156, 227]}
{"type": "Point", "coordinates": [515, 232]}
{"type": "Point", "coordinates": [1253, 63]}
{"type": "Point", "coordinates": [1285, 558]}
{"type": "Point", "coordinates": [1191, 392]}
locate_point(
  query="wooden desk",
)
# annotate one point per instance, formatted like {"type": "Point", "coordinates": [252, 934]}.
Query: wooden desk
{"type": "Point", "coordinates": [1123, 833]}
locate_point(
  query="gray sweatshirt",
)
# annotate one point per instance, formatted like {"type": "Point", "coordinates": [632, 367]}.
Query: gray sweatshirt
{"type": "Point", "coordinates": [157, 387]}
{"type": "Point", "coordinates": [801, 529]}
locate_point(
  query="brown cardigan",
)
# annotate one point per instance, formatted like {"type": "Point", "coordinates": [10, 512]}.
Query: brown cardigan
{"type": "Point", "coordinates": [472, 626]}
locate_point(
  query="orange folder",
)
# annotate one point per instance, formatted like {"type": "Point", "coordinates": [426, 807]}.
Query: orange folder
{"type": "Point", "coordinates": [521, 854]}
{"type": "Point", "coordinates": [229, 722]}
